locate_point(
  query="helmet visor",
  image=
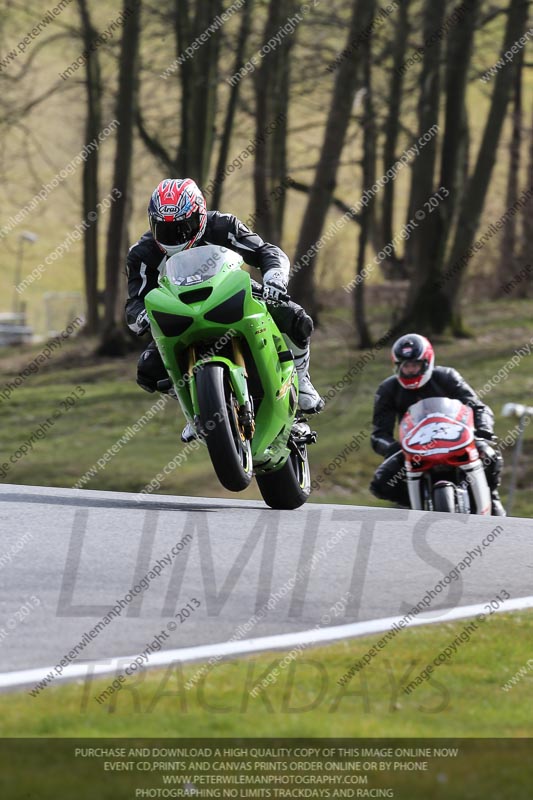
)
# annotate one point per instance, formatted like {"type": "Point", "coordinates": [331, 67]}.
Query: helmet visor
{"type": "Point", "coordinates": [177, 232]}
{"type": "Point", "coordinates": [411, 369]}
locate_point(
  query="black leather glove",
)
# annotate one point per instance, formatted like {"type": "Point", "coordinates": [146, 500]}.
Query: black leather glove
{"type": "Point", "coordinates": [481, 433]}
{"type": "Point", "coordinates": [392, 449]}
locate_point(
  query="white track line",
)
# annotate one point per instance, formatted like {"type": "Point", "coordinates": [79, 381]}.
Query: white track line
{"type": "Point", "coordinates": [284, 641]}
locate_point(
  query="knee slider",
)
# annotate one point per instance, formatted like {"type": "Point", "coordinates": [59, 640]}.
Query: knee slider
{"type": "Point", "coordinates": [150, 370]}
{"type": "Point", "coordinates": [142, 382]}
{"type": "Point", "coordinates": [302, 328]}
{"type": "Point", "coordinates": [374, 489]}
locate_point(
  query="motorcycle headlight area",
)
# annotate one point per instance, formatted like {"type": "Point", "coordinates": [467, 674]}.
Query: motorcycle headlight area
{"type": "Point", "coordinates": [231, 310]}
{"type": "Point", "coordinates": [172, 324]}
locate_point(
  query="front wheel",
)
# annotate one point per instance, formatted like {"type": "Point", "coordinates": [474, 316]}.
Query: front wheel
{"type": "Point", "coordinates": [289, 487]}
{"type": "Point", "coordinates": [444, 498]}
{"type": "Point", "coordinates": [229, 449]}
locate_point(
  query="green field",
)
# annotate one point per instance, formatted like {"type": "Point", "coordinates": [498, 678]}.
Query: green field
{"type": "Point", "coordinates": [112, 402]}
{"type": "Point", "coordinates": [462, 698]}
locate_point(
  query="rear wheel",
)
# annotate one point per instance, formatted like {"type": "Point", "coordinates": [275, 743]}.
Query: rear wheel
{"type": "Point", "coordinates": [444, 498]}
{"type": "Point", "coordinates": [229, 449]}
{"type": "Point", "coordinates": [290, 486]}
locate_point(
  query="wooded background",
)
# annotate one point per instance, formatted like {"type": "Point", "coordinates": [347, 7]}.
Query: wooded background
{"type": "Point", "coordinates": [286, 114]}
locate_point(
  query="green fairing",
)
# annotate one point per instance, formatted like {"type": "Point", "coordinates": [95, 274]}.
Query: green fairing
{"type": "Point", "coordinates": [219, 269]}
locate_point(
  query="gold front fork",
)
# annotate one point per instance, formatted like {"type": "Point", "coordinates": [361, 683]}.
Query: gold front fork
{"type": "Point", "coordinates": [192, 361]}
{"type": "Point", "coordinates": [238, 355]}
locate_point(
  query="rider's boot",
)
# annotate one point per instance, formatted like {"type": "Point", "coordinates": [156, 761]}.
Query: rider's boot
{"type": "Point", "coordinates": [309, 401]}
{"type": "Point", "coordinates": [188, 434]}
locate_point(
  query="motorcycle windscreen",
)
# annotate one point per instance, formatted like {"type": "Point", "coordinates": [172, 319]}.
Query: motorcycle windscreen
{"type": "Point", "coordinates": [199, 264]}
{"type": "Point", "coordinates": [435, 426]}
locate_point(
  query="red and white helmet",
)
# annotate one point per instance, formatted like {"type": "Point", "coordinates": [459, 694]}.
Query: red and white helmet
{"type": "Point", "coordinates": [413, 359]}
{"type": "Point", "coordinates": [177, 214]}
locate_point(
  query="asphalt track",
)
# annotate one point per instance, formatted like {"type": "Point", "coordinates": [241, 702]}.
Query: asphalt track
{"type": "Point", "coordinates": [68, 556]}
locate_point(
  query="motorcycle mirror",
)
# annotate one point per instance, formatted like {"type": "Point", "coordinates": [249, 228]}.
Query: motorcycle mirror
{"type": "Point", "coordinates": [516, 410]}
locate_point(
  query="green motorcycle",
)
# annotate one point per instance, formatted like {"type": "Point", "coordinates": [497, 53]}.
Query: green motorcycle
{"type": "Point", "coordinates": [232, 374]}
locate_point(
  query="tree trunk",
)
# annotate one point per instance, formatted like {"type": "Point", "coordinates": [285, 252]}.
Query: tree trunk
{"type": "Point", "coordinates": [198, 79]}
{"type": "Point", "coordinates": [369, 177]}
{"type": "Point", "coordinates": [425, 301]}
{"type": "Point", "coordinates": [272, 108]}
{"type": "Point", "coordinates": [508, 243]}
{"type": "Point", "coordinates": [526, 243]}
{"type": "Point", "coordinates": [93, 126]}
{"type": "Point", "coordinates": [113, 339]}
{"type": "Point", "coordinates": [244, 32]}
{"type": "Point", "coordinates": [475, 194]}
{"type": "Point", "coordinates": [424, 166]}
{"type": "Point", "coordinates": [198, 87]}
{"type": "Point", "coordinates": [392, 129]}
{"type": "Point", "coordinates": [453, 177]}
{"type": "Point", "coordinates": [302, 284]}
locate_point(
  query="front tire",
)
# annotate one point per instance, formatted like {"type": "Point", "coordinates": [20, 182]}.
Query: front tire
{"type": "Point", "coordinates": [444, 498]}
{"type": "Point", "coordinates": [230, 451]}
{"type": "Point", "coordinates": [289, 487]}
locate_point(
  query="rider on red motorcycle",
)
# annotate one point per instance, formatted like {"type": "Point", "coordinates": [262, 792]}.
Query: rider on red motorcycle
{"type": "Point", "coordinates": [416, 378]}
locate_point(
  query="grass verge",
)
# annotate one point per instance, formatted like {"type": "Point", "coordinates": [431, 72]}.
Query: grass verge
{"type": "Point", "coordinates": [462, 698]}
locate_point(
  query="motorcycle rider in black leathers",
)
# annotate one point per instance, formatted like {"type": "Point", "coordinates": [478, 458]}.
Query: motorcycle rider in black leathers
{"type": "Point", "coordinates": [179, 220]}
{"type": "Point", "coordinates": [416, 379]}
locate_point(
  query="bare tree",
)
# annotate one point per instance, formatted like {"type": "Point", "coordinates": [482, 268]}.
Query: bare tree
{"type": "Point", "coordinates": [526, 237]}
{"type": "Point", "coordinates": [229, 119]}
{"type": "Point", "coordinates": [113, 340]}
{"type": "Point", "coordinates": [272, 108]}
{"type": "Point", "coordinates": [423, 171]}
{"type": "Point", "coordinates": [90, 194]}
{"type": "Point", "coordinates": [392, 125]}
{"type": "Point", "coordinates": [432, 302]}
{"type": "Point", "coordinates": [509, 237]}
{"type": "Point", "coordinates": [453, 174]}
{"type": "Point", "coordinates": [189, 153]}
{"type": "Point", "coordinates": [198, 86]}
{"type": "Point", "coordinates": [474, 197]}
{"type": "Point", "coordinates": [369, 177]}
{"type": "Point", "coordinates": [302, 284]}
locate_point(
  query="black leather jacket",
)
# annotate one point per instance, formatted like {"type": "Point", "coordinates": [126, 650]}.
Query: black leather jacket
{"type": "Point", "coordinates": [145, 258]}
{"type": "Point", "coordinates": [392, 401]}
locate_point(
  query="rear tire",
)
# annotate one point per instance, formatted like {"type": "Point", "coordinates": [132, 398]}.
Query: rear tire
{"type": "Point", "coordinates": [444, 498]}
{"type": "Point", "coordinates": [289, 487]}
{"type": "Point", "coordinates": [230, 452]}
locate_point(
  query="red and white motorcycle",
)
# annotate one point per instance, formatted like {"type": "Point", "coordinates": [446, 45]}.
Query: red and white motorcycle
{"type": "Point", "coordinates": [443, 465]}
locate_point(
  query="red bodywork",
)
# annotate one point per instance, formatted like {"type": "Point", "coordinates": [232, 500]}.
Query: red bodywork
{"type": "Point", "coordinates": [437, 437]}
